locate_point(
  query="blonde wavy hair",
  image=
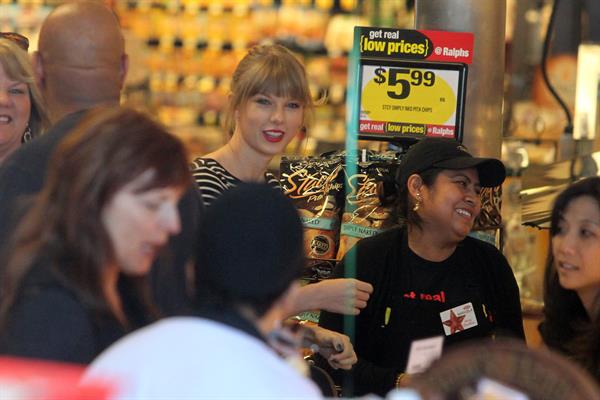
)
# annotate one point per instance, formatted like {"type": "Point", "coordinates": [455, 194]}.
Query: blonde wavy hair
{"type": "Point", "coordinates": [268, 69]}
{"type": "Point", "coordinates": [17, 66]}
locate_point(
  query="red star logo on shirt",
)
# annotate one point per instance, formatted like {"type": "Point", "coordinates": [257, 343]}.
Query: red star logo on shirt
{"type": "Point", "coordinates": [455, 323]}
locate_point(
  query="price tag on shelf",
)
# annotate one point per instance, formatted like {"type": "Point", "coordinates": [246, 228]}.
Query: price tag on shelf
{"type": "Point", "coordinates": [415, 98]}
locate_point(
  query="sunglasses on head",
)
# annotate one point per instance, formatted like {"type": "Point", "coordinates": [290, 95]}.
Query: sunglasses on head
{"type": "Point", "coordinates": [19, 39]}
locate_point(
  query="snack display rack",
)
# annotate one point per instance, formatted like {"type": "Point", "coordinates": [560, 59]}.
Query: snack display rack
{"type": "Point", "coordinates": [338, 207]}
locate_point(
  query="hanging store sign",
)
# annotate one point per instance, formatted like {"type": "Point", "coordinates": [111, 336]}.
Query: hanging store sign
{"type": "Point", "coordinates": [409, 83]}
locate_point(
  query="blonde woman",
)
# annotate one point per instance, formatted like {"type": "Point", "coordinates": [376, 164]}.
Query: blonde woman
{"type": "Point", "coordinates": [22, 113]}
{"type": "Point", "coordinates": [269, 104]}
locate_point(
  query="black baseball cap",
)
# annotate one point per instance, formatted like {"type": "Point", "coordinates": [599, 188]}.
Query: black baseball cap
{"type": "Point", "coordinates": [448, 154]}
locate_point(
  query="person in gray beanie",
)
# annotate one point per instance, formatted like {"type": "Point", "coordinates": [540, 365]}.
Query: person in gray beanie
{"type": "Point", "coordinates": [249, 258]}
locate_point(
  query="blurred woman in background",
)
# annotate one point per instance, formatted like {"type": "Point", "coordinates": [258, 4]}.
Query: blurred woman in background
{"type": "Point", "coordinates": [572, 281]}
{"type": "Point", "coordinates": [108, 206]}
{"type": "Point", "coordinates": [22, 112]}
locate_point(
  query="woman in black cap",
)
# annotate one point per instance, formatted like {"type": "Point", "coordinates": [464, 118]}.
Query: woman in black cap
{"type": "Point", "coordinates": [429, 278]}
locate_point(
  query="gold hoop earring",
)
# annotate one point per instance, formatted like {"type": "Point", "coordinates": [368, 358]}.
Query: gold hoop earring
{"type": "Point", "coordinates": [417, 204]}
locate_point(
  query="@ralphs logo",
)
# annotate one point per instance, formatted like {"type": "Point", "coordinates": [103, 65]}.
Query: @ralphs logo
{"type": "Point", "coordinates": [319, 245]}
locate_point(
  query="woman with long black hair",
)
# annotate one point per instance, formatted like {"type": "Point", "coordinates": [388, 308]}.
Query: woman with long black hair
{"type": "Point", "coordinates": [571, 323]}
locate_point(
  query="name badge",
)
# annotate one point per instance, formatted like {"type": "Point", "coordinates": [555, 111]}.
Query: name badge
{"type": "Point", "coordinates": [458, 319]}
{"type": "Point", "coordinates": [422, 353]}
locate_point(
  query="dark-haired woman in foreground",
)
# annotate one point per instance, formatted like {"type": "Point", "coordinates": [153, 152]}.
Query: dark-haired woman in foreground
{"type": "Point", "coordinates": [108, 206]}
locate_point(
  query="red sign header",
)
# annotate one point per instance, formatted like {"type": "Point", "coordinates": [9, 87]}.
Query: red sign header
{"type": "Point", "coordinates": [408, 44]}
{"type": "Point", "coordinates": [451, 46]}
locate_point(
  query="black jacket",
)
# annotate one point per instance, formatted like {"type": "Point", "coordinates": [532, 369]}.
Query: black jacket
{"type": "Point", "coordinates": [50, 321]}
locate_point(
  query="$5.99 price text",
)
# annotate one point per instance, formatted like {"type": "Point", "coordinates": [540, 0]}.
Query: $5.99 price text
{"type": "Point", "coordinates": [409, 95]}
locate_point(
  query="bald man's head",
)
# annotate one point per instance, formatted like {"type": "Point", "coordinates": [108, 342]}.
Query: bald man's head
{"type": "Point", "coordinates": [81, 60]}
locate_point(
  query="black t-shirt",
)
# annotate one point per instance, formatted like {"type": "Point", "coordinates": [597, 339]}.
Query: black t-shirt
{"type": "Point", "coordinates": [410, 294]}
{"type": "Point", "coordinates": [418, 294]}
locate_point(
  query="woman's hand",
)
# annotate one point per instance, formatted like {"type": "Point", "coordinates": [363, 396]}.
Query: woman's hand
{"type": "Point", "coordinates": [335, 347]}
{"type": "Point", "coordinates": [344, 295]}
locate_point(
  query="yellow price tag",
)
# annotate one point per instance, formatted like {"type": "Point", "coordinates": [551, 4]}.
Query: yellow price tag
{"type": "Point", "coordinates": [409, 100]}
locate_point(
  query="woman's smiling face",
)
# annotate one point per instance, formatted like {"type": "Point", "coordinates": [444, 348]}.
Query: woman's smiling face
{"type": "Point", "coordinates": [15, 109]}
{"type": "Point", "coordinates": [451, 204]}
{"type": "Point", "coordinates": [267, 123]}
